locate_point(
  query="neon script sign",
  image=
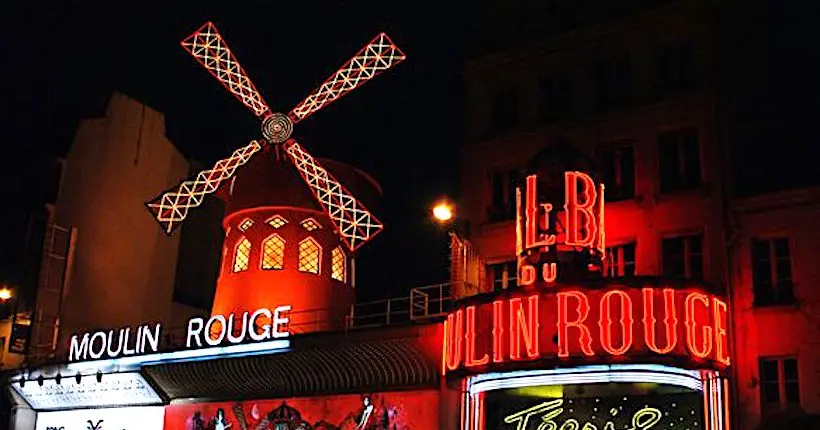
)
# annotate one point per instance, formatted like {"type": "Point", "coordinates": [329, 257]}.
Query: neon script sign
{"type": "Point", "coordinates": [544, 416]}
{"type": "Point", "coordinates": [546, 233]}
{"type": "Point", "coordinates": [577, 324]}
{"type": "Point", "coordinates": [260, 325]}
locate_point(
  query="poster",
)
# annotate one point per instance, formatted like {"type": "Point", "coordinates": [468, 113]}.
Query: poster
{"type": "Point", "coordinates": [408, 410]}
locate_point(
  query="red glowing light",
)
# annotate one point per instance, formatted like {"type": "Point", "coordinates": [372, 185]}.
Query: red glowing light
{"type": "Point", "coordinates": [594, 323]}
{"type": "Point", "coordinates": [625, 322]}
{"type": "Point", "coordinates": [353, 222]}
{"type": "Point", "coordinates": [670, 320]}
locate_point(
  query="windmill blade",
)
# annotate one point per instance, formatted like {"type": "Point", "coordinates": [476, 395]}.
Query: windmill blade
{"type": "Point", "coordinates": [172, 206]}
{"type": "Point", "coordinates": [210, 49]}
{"type": "Point", "coordinates": [354, 223]}
{"type": "Point", "coordinates": [377, 56]}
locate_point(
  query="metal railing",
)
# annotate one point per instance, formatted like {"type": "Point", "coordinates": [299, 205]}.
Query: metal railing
{"type": "Point", "coordinates": [422, 304]}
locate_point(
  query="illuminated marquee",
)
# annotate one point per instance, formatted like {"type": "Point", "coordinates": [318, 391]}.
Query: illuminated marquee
{"type": "Point", "coordinates": [575, 324]}
{"type": "Point", "coordinates": [259, 326]}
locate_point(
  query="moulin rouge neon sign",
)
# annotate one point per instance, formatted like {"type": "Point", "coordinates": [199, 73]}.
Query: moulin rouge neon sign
{"type": "Point", "coordinates": [258, 326]}
{"type": "Point", "coordinates": [572, 323]}
{"type": "Point", "coordinates": [577, 324]}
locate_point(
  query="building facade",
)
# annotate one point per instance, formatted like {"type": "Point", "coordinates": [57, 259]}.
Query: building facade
{"type": "Point", "coordinates": [639, 92]}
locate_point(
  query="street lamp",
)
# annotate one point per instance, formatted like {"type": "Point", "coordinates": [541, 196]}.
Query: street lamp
{"type": "Point", "coordinates": [5, 294]}
{"type": "Point", "coordinates": [443, 211]}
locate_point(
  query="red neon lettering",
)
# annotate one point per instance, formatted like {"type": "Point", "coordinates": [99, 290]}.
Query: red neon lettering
{"type": "Point", "coordinates": [585, 338]}
{"type": "Point", "coordinates": [469, 337]}
{"type": "Point", "coordinates": [498, 331]}
{"type": "Point", "coordinates": [691, 325]}
{"type": "Point", "coordinates": [527, 275]}
{"type": "Point", "coordinates": [670, 320]}
{"type": "Point", "coordinates": [453, 331]}
{"type": "Point", "coordinates": [532, 236]}
{"type": "Point", "coordinates": [576, 211]}
{"type": "Point", "coordinates": [625, 321]}
{"type": "Point", "coordinates": [721, 340]}
{"type": "Point", "coordinates": [601, 245]}
{"type": "Point", "coordinates": [549, 271]}
{"type": "Point", "coordinates": [524, 324]}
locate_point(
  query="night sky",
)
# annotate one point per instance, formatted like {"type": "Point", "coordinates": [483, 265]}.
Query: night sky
{"type": "Point", "coordinates": [61, 62]}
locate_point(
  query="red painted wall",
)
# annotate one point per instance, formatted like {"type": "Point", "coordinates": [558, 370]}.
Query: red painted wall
{"type": "Point", "coordinates": [402, 410]}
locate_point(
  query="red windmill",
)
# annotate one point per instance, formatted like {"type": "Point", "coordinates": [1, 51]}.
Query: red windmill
{"type": "Point", "coordinates": [352, 221]}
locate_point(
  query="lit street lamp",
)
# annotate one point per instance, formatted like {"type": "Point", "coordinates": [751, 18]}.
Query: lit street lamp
{"type": "Point", "coordinates": [5, 294]}
{"type": "Point", "coordinates": [443, 212]}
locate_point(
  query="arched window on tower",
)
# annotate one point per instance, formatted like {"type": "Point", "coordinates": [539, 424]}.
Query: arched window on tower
{"type": "Point", "coordinates": [273, 253]}
{"type": "Point", "coordinates": [310, 256]}
{"type": "Point", "coordinates": [242, 255]}
{"type": "Point", "coordinates": [338, 264]}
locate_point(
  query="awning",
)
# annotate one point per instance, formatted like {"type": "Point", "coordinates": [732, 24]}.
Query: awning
{"type": "Point", "coordinates": [322, 363]}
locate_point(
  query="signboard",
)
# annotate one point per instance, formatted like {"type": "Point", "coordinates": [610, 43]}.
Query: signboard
{"type": "Point", "coordinates": [583, 324]}
{"type": "Point", "coordinates": [408, 410]}
{"type": "Point", "coordinates": [115, 389]}
{"type": "Point", "coordinates": [560, 241]}
{"type": "Point", "coordinates": [259, 326]}
{"type": "Point", "coordinates": [20, 332]}
{"type": "Point", "coordinates": [143, 418]}
{"type": "Point", "coordinates": [611, 409]}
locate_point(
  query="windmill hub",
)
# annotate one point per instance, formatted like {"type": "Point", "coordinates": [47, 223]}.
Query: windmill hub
{"type": "Point", "coordinates": [277, 127]}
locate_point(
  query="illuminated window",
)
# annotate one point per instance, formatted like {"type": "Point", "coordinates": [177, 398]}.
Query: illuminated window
{"type": "Point", "coordinates": [273, 253]}
{"type": "Point", "coordinates": [338, 264]}
{"type": "Point", "coordinates": [310, 256]}
{"type": "Point", "coordinates": [504, 275]}
{"type": "Point", "coordinates": [242, 255]}
{"type": "Point", "coordinates": [772, 272]}
{"type": "Point", "coordinates": [310, 224]}
{"type": "Point", "coordinates": [779, 384]}
{"type": "Point", "coordinates": [618, 168]}
{"type": "Point", "coordinates": [276, 221]}
{"type": "Point", "coordinates": [245, 224]}
{"type": "Point", "coordinates": [683, 257]}
{"type": "Point", "coordinates": [679, 160]}
{"type": "Point", "coordinates": [620, 261]}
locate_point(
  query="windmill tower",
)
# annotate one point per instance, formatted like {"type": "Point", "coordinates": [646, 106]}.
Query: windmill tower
{"type": "Point", "coordinates": [291, 226]}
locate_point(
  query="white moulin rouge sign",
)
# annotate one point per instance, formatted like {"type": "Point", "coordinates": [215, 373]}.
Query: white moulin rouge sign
{"type": "Point", "coordinates": [258, 326]}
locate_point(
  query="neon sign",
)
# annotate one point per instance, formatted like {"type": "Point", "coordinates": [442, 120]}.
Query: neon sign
{"type": "Point", "coordinates": [258, 326]}
{"type": "Point", "coordinates": [545, 413]}
{"type": "Point", "coordinates": [544, 234]}
{"type": "Point", "coordinates": [569, 324]}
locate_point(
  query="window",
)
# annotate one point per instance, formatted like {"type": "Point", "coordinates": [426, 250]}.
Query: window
{"type": "Point", "coordinates": [242, 255]}
{"type": "Point", "coordinates": [613, 83]}
{"type": "Point", "coordinates": [503, 186]}
{"type": "Point", "coordinates": [245, 224]}
{"type": "Point", "coordinates": [273, 253]}
{"type": "Point", "coordinates": [772, 272]}
{"type": "Point", "coordinates": [779, 384]}
{"type": "Point", "coordinates": [683, 257]}
{"type": "Point", "coordinates": [310, 224]}
{"type": "Point", "coordinates": [504, 275]}
{"type": "Point", "coordinates": [675, 68]}
{"type": "Point", "coordinates": [276, 221]}
{"type": "Point", "coordinates": [504, 115]}
{"type": "Point", "coordinates": [310, 256]}
{"type": "Point", "coordinates": [554, 97]}
{"type": "Point", "coordinates": [679, 160]}
{"type": "Point", "coordinates": [620, 261]}
{"type": "Point", "coordinates": [338, 264]}
{"type": "Point", "coordinates": [618, 169]}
